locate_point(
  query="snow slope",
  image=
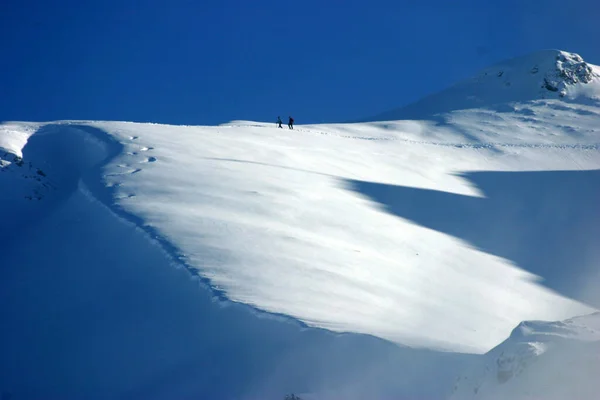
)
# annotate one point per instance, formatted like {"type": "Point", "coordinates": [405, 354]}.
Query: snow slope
{"type": "Point", "coordinates": [291, 223]}
{"type": "Point", "coordinates": [95, 304]}
{"type": "Point", "coordinates": [441, 234]}
{"type": "Point", "coordinates": [540, 360]}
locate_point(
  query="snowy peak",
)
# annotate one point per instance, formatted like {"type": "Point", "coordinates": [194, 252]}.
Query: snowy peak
{"type": "Point", "coordinates": [544, 75]}
{"type": "Point", "coordinates": [542, 72]}
{"type": "Point", "coordinates": [569, 69]}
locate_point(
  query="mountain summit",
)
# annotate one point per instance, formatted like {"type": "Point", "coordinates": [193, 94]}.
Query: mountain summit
{"type": "Point", "coordinates": [547, 74]}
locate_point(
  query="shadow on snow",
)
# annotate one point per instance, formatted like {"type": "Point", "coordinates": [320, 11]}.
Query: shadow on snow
{"type": "Point", "coordinates": [548, 222]}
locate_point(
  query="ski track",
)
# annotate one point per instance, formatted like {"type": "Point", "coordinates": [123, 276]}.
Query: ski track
{"type": "Point", "coordinates": [482, 145]}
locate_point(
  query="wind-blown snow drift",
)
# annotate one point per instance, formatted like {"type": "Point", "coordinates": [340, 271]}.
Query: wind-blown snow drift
{"type": "Point", "coordinates": [443, 233]}
{"type": "Point", "coordinates": [284, 221]}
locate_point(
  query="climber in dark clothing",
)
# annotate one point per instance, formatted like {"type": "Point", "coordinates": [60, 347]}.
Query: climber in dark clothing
{"type": "Point", "coordinates": [279, 122]}
{"type": "Point", "coordinates": [291, 123]}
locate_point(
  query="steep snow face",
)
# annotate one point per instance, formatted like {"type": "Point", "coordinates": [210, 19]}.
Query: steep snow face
{"type": "Point", "coordinates": [540, 360]}
{"type": "Point", "coordinates": [37, 172]}
{"type": "Point", "coordinates": [13, 137]}
{"type": "Point", "coordinates": [549, 74]}
{"type": "Point", "coordinates": [22, 182]}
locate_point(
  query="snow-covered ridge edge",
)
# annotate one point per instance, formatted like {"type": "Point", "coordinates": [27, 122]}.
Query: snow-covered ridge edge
{"type": "Point", "coordinates": [550, 360]}
{"type": "Point", "coordinates": [84, 150]}
{"type": "Point", "coordinates": [14, 136]}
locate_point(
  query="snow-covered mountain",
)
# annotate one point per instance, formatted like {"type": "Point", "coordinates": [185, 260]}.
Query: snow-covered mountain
{"type": "Point", "coordinates": [440, 229]}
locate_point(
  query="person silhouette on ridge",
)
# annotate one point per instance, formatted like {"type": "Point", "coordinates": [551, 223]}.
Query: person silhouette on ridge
{"type": "Point", "coordinates": [291, 123]}
{"type": "Point", "coordinates": [279, 122]}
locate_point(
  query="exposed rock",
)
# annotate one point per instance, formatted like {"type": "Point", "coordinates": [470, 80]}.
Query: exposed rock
{"type": "Point", "coordinates": [570, 69]}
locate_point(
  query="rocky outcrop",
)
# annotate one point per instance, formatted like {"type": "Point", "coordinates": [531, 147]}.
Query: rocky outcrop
{"type": "Point", "coordinates": [570, 69]}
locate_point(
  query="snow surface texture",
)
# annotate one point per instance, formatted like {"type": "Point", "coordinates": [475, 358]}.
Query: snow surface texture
{"type": "Point", "coordinates": [540, 360]}
{"type": "Point", "coordinates": [443, 233]}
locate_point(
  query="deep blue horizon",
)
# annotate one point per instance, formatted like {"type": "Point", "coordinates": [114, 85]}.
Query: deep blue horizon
{"type": "Point", "coordinates": [209, 62]}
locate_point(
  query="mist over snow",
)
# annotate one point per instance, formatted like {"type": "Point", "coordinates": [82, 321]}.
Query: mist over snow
{"type": "Point", "coordinates": [521, 367]}
{"type": "Point", "coordinates": [390, 258]}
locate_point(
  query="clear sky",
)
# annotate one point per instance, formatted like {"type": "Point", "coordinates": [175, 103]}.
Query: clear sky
{"type": "Point", "coordinates": [211, 61]}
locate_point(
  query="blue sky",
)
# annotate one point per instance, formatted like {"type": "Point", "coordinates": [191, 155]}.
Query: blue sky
{"type": "Point", "coordinates": [211, 61]}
